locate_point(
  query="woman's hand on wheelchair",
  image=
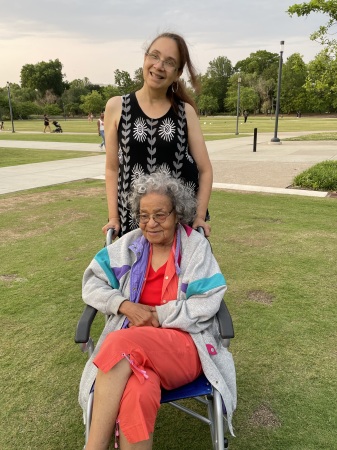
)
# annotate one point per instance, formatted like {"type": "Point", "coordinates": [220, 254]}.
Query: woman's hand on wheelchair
{"type": "Point", "coordinates": [199, 222]}
{"type": "Point", "coordinates": [113, 223]}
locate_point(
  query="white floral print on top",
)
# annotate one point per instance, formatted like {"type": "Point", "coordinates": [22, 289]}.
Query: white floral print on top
{"type": "Point", "coordinates": [167, 130]}
{"type": "Point", "coordinates": [147, 145]}
{"type": "Point", "coordinates": [140, 129]}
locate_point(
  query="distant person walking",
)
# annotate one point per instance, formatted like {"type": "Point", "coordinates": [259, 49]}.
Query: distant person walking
{"type": "Point", "coordinates": [100, 127]}
{"type": "Point", "coordinates": [2, 127]}
{"type": "Point", "coordinates": [245, 115]}
{"type": "Point", "coordinates": [46, 123]}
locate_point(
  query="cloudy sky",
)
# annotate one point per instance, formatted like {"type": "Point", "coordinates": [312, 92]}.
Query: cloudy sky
{"type": "Point", "coordinates": [94, 38]}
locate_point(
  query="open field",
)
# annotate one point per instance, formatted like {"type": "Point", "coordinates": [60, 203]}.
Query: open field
{"type": "Point", "coordinates": [210, 125]}
{"type": "Point", "coordinates": [278, 254]}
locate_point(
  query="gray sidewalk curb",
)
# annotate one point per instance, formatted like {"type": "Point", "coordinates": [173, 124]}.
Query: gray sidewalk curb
{"type": "Point", "coordinates": [269, 190]}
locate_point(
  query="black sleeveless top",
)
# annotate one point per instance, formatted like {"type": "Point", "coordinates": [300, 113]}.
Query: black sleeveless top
{"type": "Point", "coordinates": [147, 145]}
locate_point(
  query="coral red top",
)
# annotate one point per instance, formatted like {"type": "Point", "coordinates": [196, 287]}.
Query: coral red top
{"type": "Point", "coordinates": [160, 286]}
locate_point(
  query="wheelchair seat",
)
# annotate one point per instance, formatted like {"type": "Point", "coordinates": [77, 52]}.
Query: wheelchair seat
{"type": "Point", "coordinates": [200, 386]}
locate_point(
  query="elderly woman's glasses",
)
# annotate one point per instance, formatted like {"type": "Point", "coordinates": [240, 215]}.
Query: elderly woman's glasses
{"type": "Point", "coordinates": [158, 217]}
{"type": "Point", "coordinates": [168, 64]}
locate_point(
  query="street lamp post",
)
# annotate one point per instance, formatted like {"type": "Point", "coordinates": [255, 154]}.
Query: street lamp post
{"type": "Point", "coordinates": [238, 107]}
{"type": "Point", "coordinates": [277, 110]}
{"type": "Point", "coordinates": [10, 106]}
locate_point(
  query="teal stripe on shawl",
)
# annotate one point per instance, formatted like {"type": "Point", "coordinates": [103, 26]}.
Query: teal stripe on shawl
{"type": "Point", "coordinates": [205, 284]}
{"type": "Point", "coordinates": [103, 260]}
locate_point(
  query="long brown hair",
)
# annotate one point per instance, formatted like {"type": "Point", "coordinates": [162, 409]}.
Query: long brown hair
{"type": "Point", "coordinates": [177, 90]}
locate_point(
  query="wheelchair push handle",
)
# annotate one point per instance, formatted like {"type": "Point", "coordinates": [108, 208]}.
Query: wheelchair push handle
{"type": "Point", "coordinates": [109, 236]}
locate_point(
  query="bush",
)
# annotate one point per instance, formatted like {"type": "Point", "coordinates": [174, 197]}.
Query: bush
{"type": "Point", "coordinates": [52, 110]}
{"type": "Point", "coordinates": [26, 109]}
{"type": "Point", "coordinates": [321, 177]}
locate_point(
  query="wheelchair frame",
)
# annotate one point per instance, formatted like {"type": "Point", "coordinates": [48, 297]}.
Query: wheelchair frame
{"type": "Point", "coordinates": [200, 389]}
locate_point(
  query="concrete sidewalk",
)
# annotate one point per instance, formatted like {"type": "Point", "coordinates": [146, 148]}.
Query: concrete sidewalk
{"type": "Point", "coordinates": [236, 167]}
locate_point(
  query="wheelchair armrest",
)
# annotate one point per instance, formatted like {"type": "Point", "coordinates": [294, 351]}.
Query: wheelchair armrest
{"type": "Point", "coordinates": [225, 322]}
{"type": "Point", "coordinates": [84, 324]}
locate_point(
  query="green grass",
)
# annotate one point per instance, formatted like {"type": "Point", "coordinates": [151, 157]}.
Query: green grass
{"type": "Point", "coordinates": [36, 126]}
{"type": "Point", "coordinates": [315, 137]}
{"type": "Point", "coordinates": [278, 254]}
{"type": "Point", "coordinates": [18, 156]}
{"type": "Point", "coordinates": [210, 125]}
{"type": "Point", "coordinates": [51, 137]}
{"type": "Point", "coordinates": [217, 137]}
{"type": "Point", "coordinates": [320, 177]}
{"type": "Point", "coordinates": [264, 124]}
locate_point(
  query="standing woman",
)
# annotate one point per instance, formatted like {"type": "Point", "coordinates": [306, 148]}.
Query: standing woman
{"type": "Point", "coordinates": [100, 129]}
{"type": "Point", "coordinates": [156, 128]}
{"type": "Point", "coordinates": [46, 123]}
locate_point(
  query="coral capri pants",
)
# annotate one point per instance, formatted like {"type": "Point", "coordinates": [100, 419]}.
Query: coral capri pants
{"type": "Point", "coordinates": [159, 357]}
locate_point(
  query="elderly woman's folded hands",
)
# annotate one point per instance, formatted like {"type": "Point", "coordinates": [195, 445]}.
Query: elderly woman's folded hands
{"type": "Point", "coordinates": [139, 315]}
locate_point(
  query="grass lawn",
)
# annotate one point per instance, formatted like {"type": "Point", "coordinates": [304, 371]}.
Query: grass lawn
{"type": "Point", "coordinates": [315, 137]}
{"type": "Point", "coordinates": [278, 254]}
{"type": "Point", "coordinates": [210, 125]}
{"type": "Point", "coordinates": [69, 125]}
{"type": "Point", "coordinates": [18, 156]}
{"type": "Point", "coordinates": [51, 137]}
{"type": "Point", "coordinates": [266, 124]}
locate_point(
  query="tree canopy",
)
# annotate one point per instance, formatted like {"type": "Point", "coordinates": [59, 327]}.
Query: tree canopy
{"type": "Point", "coordinates": [328, 7]}
{"type": "Point", "coordinates": [43, 76]}
{"type": "Point", "coordinates": [261, 63]}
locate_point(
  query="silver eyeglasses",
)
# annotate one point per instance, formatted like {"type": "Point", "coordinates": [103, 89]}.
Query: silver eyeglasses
{"type": "Point", "coordinates": [158, 217]}
{"type": "Point", "coordinates": [168, 64]}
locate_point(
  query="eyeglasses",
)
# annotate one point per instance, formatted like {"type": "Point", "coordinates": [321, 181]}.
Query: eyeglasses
{"type": "Point", "coordinates": [168, 64]}
{"type": "Point", "coordinates": [159, 217]}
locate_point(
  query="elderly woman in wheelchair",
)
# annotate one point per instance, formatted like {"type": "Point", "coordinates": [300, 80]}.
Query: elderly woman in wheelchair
{"type": "Point", "coordinates": [161, 287]}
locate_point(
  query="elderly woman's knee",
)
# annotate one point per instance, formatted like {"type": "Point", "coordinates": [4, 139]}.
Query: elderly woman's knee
{"type": "Point", "coordinates": [144, 395]}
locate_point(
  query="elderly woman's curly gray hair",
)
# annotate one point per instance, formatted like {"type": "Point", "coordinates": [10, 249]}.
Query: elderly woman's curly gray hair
{"type": "Point", "coordinates": [182, 198]}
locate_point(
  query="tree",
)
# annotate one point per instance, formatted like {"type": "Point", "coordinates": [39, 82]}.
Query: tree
{"type": "Point", "coordinates": [328, 7]}
{"type": "Point", "coordinates": [207, 104]}
{"type": "Point", "coordinates": [109, 91]}
{"type": "Point", "coordinates": [79, 83]}
{"type": "Point", "coordinates": [4, 107]}
{"type": "Point", "coordinates": [138, 79]}
{"type": "Point", "coordinates": [71, 98]}
{"type": "Point", "coordinates": [215, 82]}
{"type": "Point", "coordinates": [293, 93]}
{"type": "Point", "coordinates": [249, 98]}
{"type": "Point", "coordinates": [92, 102]}
{"type": "Point", "coordinates": [123, 81]}
{"type": "Point", "coordinates": [321, 85]}
{"type": "Point", "coordinates": [21, 94]}
{"type": "Point", "coordinates": [43, 76]}
{"type": "Point", "coordinates": [259, 72]}
{"type": "Point", "coordinates": [261, 63]}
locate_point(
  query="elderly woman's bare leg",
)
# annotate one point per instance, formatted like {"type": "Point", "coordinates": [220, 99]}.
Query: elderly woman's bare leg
{"type": "Point", "coordinates": [109, 389]}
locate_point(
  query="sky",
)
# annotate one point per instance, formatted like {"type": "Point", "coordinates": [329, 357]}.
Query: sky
{"type": "Point", "coordinates": [94, 38]}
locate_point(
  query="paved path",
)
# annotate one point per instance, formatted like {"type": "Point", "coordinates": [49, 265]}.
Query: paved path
{"type": "Point", "coordinates": [270, 169]}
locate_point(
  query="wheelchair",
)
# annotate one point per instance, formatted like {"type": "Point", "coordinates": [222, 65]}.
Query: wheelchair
{"type": "Point", "coordinates": [200, 389]}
